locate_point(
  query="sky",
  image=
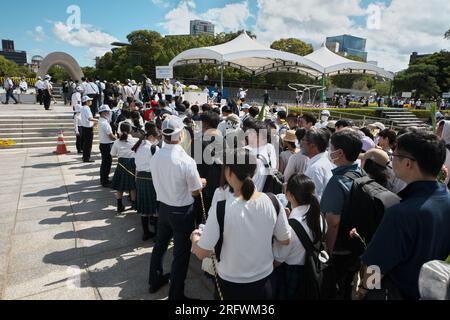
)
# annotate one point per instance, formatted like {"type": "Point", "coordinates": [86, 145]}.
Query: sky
{"type": "Point", "coordinates": [393, 28]}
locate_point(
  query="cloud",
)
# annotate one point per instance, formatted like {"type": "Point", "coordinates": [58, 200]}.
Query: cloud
{"type": "Point", "coordinates": [405, 26]}
{"type": "Point", "coordinates": [161, 3]}
{"type": "Point", "coordinates": [231, 17]}
{"type": "Point", "coordinates": [38, 34]}
{"type": "Point", "coordinates": [97, 41]}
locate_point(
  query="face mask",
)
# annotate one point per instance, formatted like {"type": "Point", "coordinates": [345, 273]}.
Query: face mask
{"type": "Point", "coordinates": [330, 157]}
{"type": "Point", "coordinates": [324, 119]}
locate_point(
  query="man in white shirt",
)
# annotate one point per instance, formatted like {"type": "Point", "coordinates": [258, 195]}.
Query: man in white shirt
{"type": "Point", "coordinates": [168, 91]}
{"type": "Point", "coordinates": [39, 85]}
{"type": "Point", "coordinates": [242, 95]}
{"type": "Point", "coordinates": [319, 170]}
{"type": "Point", "coordinates": [9, 87]}
{"type": "Point", "coordinates": [23, 86]}
{"type": "Point", "coordinates": [176, 182]}
{"type": "Point", "coordinates": [87, 124]}
{"type": "Point", "coordinates": [106, 139]}
{"type": "Point", "coordinates": [93, 92]}
{"type": "Point", "coordinates": [178, 90]}
{"type": "Point", "coordinates": [323, 122]}
{"type": "Point", "coordinates": [48, 92]}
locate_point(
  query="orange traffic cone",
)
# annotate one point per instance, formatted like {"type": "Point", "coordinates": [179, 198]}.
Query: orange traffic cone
{"type": "Point", "coordinates": [61, 147]}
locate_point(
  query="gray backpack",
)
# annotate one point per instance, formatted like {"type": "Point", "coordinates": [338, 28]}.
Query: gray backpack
{"type": "Point", "coordinates": [434, 281]}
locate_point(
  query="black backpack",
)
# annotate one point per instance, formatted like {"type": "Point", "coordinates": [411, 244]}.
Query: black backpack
{"type": "Point", "coordinates": [274, 181]}
{"type": "Point", "coordinates": [318, 281]}
{"type": "Point", "coordinates": [221, 220]}
{"type": "Point", "coordinates": [364, 211]}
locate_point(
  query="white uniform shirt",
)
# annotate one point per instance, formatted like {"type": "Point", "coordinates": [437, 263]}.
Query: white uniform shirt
{"type": "Point", "coordinates": [39, 85]}
{"type": "Point", "coordinates": [169, 90]}
{"type": "Point", "coordinates": [8, 84]}
{"type": "Point", "coordinates": [175, 176]}
{"type": "Point", "coordinates": [320, 172]}
{"type": "Point", "coordinates": [294, 254]}
{"type": "Point", "coordinates": [267, 151]}
{"type": "Point", "coordinates": [76, 99]}
{"type": "Point", "coordinates": [91, 88]}
{"type": "Point", "coordinates": [179, 92]}
{"type": "Point", "coordinates": [77, 119]}
{"type": "Point", "coordinates": [122, 149]}
{"type": "Point", "coordinates": [23, 85]}
{"type": "Point", "coordinates": [104, 131]}
{"type": "Point", "coordinates": [47, 85]}
{"type": "Point", "coordinates": [143, 156]}
{"type": "Point", "coordinates": [86, 114]}
{"type": "Point", "coordinates": [135, 91]}
{"type": "Point", "coordinates": [242, 94]}
{"type": "Point", "coordinates": [249, 227]}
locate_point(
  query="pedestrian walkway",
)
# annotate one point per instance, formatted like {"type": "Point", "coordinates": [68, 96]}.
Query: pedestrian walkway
{"type": "Point", "coordinates": [60, 237]}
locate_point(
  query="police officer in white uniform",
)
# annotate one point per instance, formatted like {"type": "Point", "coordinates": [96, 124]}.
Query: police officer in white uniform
{"type": "Point", "coordinates": [87, 131]}
{"type": "Point", "coordinates": [176, 182]}
{"type": "Point", "coordinates": [39, 85]}
{"type": "Point", "coordinates": [106, 139]}
{"type": "Point", "coordinates": [93, 92]}
{"type": "Point", "coordinates": [47, 88]}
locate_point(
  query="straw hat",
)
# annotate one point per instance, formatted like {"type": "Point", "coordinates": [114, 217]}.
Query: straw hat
{"type": "Point", "coordinates": [290, 136]}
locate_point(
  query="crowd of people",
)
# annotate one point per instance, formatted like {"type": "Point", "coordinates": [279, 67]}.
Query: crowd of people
{"type": "Point", "coordinates": [255, 193]}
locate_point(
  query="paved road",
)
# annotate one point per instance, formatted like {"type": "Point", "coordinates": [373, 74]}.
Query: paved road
{"type": "Point", "coordinates": [60, 237]}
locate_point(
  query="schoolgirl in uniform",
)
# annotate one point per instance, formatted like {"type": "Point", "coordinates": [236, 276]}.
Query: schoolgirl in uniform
{"type": "Point", "coordinates": [146, 201]}
{"type": "Point", "coordinates": [124, 179]}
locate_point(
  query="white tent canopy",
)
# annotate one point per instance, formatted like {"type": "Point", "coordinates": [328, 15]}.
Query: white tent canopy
{"type": "Point", "coordinates": [334, 64]}
{"type": "Point", "coordinates": [248, 55]}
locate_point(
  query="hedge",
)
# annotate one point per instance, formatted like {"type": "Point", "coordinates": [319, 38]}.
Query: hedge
{"type": "Point", "coordinates": [357, 112]}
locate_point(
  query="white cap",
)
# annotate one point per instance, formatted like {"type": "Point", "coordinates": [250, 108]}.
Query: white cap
{"type": "Point", "coordinates": [378, 125]}
{"type": "Point", "coordinates": [39, 78]}
{"type": "Point", "coordinates": [172, 126]}
{"type": "Point", "coordinates": [79, 89]}
{"type": "Point", "coordinates": [246, 106]}
{"type": "Point", "coordinates": [48, 77]}
{"type": "Point", "coordinates": [86, 99]}
{"type": "Point", "coordinates": [133, 82]}
{"type": "Point", "coordinates": [325, 113]}
{"type": "Point", "coordinates": [104, 108]}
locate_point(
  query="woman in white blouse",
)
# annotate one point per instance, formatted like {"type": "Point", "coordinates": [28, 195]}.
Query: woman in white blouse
{"type": "Point", "coordinates": [124, 180]}
{"type": "Point", "coordinates": [251, 222]}
{"type": "Point", "coordinates": [290, 259]}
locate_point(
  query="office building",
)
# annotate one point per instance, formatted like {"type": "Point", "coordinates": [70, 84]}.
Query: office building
{"type": "Point", "coordinates": [199, 27]}
{"type": "Point", "coordinates": [348, 45]}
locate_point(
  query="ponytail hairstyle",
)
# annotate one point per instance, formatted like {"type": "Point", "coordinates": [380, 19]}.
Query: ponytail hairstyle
{"type": "Point", "coordinates": [303, 190]}
{"type": "Point", "coordinates": [125, 128]}
{"type": "Point", "coordinates": [150, 131]}
{"type": "Point", "coordinates": [243, 165]}
{"type": "Point", "coordinates": [136, 117]}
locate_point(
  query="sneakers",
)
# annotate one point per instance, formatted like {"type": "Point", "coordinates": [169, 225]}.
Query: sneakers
{"type": "Point", "coordinates": [164, 280]}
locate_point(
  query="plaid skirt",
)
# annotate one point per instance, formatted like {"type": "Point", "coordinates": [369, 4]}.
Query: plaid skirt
{"type": "Point", "coordinates": [146, 202]}
{"type": "Point", "coordinates": [123, 181]}
{"type": "Point", "coordinates": [288, 282]}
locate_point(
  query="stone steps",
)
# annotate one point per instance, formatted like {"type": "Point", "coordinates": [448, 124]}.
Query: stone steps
{"type": "Point", "coordinates": [403, 119]}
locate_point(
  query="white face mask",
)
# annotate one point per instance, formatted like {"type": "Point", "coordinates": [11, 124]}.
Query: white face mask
{"type": "Point", "coordinates": [330, 157]}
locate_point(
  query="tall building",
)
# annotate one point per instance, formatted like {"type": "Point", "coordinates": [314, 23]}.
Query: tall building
{"type": "Point", "coordinates": [348, 45]}
{"type": "Point", "coordinates": [198, 27]}
{"type": "Point", "coordinates": [8, 51]}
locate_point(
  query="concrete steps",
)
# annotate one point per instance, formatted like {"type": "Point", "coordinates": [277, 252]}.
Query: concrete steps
{"type": "Point", "coordinates": [38, 131]}
{"type": "Point", "coordinates": [403, 119]}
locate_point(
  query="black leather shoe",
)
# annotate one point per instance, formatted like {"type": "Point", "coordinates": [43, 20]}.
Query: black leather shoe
{"type": "Point", "coordinates": [161, 283]}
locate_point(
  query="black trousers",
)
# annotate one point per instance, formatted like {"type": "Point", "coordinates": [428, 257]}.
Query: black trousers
{"type": "Point", "coordinates": [94, 106]}
{"type": "Point", "coordinates": [87, 135]}
{"type": "Point", "coordinates": [177, 223]}
{"type": "Point", "coordinates": [40, 96]}
{"type": "Point", "coordinates": [47, 99]}
{"type": "Point", "coordinates": [79, 141]}
{"type": "Point", "coordinates": [105, 168]}
{"type": "Point", "coordinates": [259, 290]}
{"type": "Point", "coordinates": [10, 94]}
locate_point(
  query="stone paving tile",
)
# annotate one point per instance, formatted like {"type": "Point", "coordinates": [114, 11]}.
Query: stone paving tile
{"type": "Point", "coordinates": [47, 215]}
{"type": "Point", "coordinates": [64, 294]}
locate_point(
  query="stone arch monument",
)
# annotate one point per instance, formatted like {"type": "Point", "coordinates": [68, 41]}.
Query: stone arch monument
{"type": "Point", "coordinates": [64, 60]}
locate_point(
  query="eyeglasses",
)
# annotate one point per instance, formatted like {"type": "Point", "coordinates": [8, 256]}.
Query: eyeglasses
{"type": "Point", "coordinates": [403, 157]}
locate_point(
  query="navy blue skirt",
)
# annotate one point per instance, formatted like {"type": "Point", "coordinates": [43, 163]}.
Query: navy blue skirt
{"type": "Point", "coordinates": [146, 202]}
{"type": "Point", "coordinates": [123, 181]}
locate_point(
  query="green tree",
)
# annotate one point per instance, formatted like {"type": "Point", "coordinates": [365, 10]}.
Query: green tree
{"type": "Point", "coordinates": [58, 74]}
{"type": "Point", "coordinates": [9, 68]}
{"type": "Point", "coordinates": [293, 45]}
{"type": "Point", "coordinates": [447, 35]}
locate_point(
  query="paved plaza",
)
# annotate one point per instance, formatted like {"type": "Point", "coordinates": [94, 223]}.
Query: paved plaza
{"type": "Point", "coordinates": [60, 237]}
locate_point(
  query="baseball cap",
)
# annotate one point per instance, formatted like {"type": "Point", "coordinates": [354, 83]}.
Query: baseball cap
{"type": "Point", "coordinates": [172, 126]}
{"type": "Point", "coordinates": [104, 108]}
{"type": "Point", "coordinates": [246, 106]}
{"type": "Point", "coordinates": [86, 99]}
{"type": "Point", "coordinates": [378, 156]}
